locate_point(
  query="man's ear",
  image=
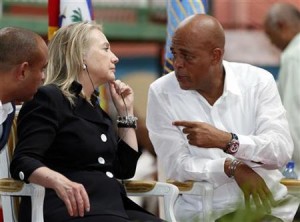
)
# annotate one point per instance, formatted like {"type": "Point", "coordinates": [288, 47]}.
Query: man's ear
{"type": "Point", "coordinates": [280, 25]}
{"type": "Point", "coordinates": [217, 55]}
{"type": "Point", "coordinates": [22, 70]}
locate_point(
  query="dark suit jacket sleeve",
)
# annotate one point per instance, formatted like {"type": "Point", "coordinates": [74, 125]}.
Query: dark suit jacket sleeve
{"type": "Point", "coordinates": [42, 114]}
{"type": "Point", "coordinates": [125, 161]}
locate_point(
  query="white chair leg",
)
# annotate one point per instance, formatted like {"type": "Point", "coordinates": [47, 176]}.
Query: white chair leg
{"type": "Point", "coordinates": [168, 191]}
{"type": "Point", "coordinates": [207, 195]}
{"type": "Point", "coordinates": [7, 208]}
{"type": "Point", "coordinates": [169, 202]}
{"type": "Point", "coordinates": [37, 202]}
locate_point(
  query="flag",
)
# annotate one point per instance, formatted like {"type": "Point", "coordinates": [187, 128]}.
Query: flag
{"type": "Point", "coordinates": [178, 10]}
{"type": "Point", "coordinates": [65, 12]}
{"type": "Point", "coordinates": [53, 17]}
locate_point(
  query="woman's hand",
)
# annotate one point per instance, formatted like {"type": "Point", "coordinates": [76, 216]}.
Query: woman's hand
{"type": "Point", "coordinates": [123, 97]}
{"type": "Point", "coordinates": [74, 196]}
{"type": "Point", "coordinates": [71, 193]}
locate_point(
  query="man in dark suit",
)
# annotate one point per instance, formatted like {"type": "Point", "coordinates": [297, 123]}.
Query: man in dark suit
{"type": "Point", "coordinates": [23, 58]}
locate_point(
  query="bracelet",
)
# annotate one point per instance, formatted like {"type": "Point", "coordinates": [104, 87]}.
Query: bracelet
{"type": "Point", "coordinates": [232, 167]}
{"type": "Point", "coordinates": [127, 122]}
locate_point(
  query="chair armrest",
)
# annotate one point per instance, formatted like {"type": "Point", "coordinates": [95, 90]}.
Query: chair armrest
{"type": "Point", "coordinates": [139, 186]}
{"type": "Point", "coordinates": [291, 182]}
{"type": "Point", "coordinates": [8, 185]}
{"type": "Point", "coordinates": [154, 188]}
{"type": "Point", "coordinates": [10, 188]}
{"type": "Point", "coordinates": [200, 188]}
{"type": "Point", "coordinates": [292, 185]}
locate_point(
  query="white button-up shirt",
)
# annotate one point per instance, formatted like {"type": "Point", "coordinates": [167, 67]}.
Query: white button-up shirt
{"type": "Point", "coordinates": [5, 109]}
{"type": "Point", "coordinates": [288, 86]}
{"type": "Point", "coordinates": [250, 107]}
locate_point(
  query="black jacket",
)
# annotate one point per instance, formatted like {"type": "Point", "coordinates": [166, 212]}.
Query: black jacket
{"type": "Point", "coordinates": [78, 141]}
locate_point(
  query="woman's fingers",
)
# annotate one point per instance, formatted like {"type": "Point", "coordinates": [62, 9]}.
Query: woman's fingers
{"type": "Point", "coordinates": [76, 199]}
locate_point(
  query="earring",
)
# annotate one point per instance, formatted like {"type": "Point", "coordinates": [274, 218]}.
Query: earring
{"type": "Point", "coordinates": [84, 66]}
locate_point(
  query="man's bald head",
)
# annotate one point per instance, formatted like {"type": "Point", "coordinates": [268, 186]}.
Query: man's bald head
{"type": "Point", "coordinates": [198, 49]}
{"type": "Point", "coordinates": [204, 29]}
{"type": "Point", "coordinates": [282, 23]}
{"type": "Point", "coordinates": [283, 12]}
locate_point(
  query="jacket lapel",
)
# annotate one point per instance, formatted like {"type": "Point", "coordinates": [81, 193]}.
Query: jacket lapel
{"type": "Point", "coordinates": [86, 111]}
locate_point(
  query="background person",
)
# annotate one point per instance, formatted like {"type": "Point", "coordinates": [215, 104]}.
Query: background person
{"type": "Point", "coordinates": [282, 25]}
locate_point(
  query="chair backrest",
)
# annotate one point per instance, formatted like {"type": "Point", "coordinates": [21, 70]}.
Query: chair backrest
{"type": "Point", "coordinates": [11, 190]}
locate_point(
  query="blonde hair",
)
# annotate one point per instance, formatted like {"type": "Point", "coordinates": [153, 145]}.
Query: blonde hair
{"type": "Point", "coordinates": [66, 52]}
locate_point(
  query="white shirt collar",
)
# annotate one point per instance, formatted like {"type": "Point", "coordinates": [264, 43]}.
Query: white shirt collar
{"type": "Point", "coordinates": [231, 83]}
{"type": "Point", "coordinates": [5, 109]}
{"type": "Point", "coordinates": [295, 41]}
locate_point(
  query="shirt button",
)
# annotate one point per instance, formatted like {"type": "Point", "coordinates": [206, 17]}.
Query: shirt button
{"type": "Point", "coordinates": [103, 138]}
{"type": "Point", "coordinates": [21, 175]}
{"type": "Point", "coordinates": [101, 160]}
{"type": "Point", "coordinates": [109, 174]}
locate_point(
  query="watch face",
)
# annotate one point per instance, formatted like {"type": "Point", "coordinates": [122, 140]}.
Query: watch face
{"type": "Point", "coordinates": [234, 146]}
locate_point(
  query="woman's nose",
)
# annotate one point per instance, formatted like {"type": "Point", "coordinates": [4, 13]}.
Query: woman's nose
{"type": "Point", "coordinates": [115, 59]}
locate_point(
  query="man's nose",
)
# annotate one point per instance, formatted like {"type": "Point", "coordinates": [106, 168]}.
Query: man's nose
{"type": "Point", "coordinates": [177, 62]}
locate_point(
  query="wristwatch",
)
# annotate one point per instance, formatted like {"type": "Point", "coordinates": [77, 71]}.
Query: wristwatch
{"type": "Point", "coordinates": [233, 146]}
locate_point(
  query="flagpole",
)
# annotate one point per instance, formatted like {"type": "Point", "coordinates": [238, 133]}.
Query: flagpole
{"type": "Point", "coordinates": [1, 8]}
{"type": "Point", "coordinates": [176, 12]}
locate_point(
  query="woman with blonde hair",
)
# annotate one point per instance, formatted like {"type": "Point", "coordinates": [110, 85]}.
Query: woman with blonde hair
{"type": "Point", "coordinates": [68, 144]}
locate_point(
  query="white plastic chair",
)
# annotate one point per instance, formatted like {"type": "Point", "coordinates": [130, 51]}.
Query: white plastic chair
{"type": "Point", "coordinates": [199, 188]}
{"type": "Point", "coordinates": [292, 185]}
{"type": "Point", "coordinates": [11, 190]}
{"type": "Point", "coordinates": [203, 189]}
{"type": "Point", "coordinates": [169, 192]}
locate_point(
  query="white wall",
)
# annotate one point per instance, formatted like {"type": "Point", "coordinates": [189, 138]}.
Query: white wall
{"type": "Point", "coordinates": [250, 46]}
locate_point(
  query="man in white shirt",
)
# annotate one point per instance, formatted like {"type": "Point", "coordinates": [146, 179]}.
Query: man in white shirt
{"type": "Point", "coordinates": [23, 58]}
{"type": "Point", "coordinates": [221, 122]}
{"type": "Point", "coordinates": [282, 25]}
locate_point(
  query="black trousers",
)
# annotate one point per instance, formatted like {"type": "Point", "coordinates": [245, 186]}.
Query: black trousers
{"type": "Point", "coordinates": [135, 216]}
{"type": "Point", "coordinates": [297, 216]}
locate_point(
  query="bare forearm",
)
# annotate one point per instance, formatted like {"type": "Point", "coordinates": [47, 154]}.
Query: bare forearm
{"type": "Point", "coordinates": [71, 193]}
{"type": "Point", "coordinates": [45, 177]}
{"type": "Point", "coordinates": [224, 139]}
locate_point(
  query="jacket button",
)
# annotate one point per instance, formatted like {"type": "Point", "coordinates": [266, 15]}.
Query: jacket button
{"type": "Point", "coordinates": [103, 138]}
{"type": "Point", "coordinates": [101, 160]}
{"type": "Point", "coordinates": [109, 174]}
{"type": "Point", "coordinates": [21, 175]}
